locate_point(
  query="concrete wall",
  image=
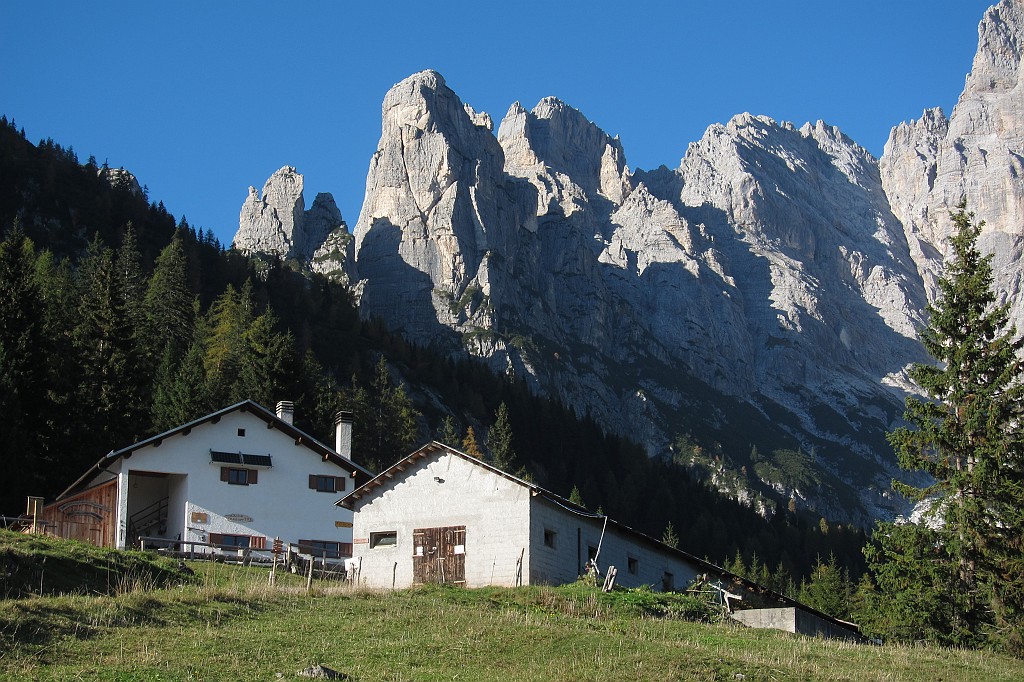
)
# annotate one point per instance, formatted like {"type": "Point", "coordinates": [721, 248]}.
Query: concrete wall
{"type": "Point", "coordinates": [280, 504]}
{"type": "Point", "coordinates": [797, 621]}
{"type": "Point", "coordinates": [440, 491]}
{"type": "Point", "coordinates": [574, 535]}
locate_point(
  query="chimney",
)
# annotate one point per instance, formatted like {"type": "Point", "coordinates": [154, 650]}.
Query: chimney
{"type": "Point", "coordinates": [343, 434]}
{"type": "Point", "coordinates": [286, 411]}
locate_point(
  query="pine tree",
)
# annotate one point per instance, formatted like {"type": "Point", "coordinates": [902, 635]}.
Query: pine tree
{"type": "Point", "coordinates": [227, 321]}
{"type": "Point", "coordinates": [499, 440]}
{"type": "Point", "coordinates": [966, 436]}
{"type": "Point", "coordinates": [181, 393]}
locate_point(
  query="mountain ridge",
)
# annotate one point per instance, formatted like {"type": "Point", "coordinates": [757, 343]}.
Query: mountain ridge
{"type": "Point", "coordinates": [781, 268]}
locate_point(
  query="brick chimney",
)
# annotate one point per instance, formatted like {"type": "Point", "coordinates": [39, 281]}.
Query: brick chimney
{"type": "Point", "coordinates": [286, 411]}
{"type": "Point", "coordinates": [343, 434]}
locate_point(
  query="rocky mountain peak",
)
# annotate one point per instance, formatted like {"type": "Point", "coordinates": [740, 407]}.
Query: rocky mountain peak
{"type": "Point", "coordinates": [931, 164]}
{"type": "Point", "coordinates": [431, 212]}
{"type": "Point", "coordinates": [768, 290]}
{"type": "Point", "coordinates": [567, 158]}
{"type": "Point", "coordinates": [277, 224]}
{"type": "Point", "coordinates": [997, 62]}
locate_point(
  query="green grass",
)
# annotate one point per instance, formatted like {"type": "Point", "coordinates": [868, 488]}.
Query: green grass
{"type": "Point", "coordinates": [39, 565]}
{"type": "Point", "coordinates": [229, 624]}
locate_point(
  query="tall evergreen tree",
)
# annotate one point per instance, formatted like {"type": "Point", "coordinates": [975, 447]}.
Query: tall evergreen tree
{"type": "Point", "coordinates": [23, 388]}
{"type": "Point", "coordinates": [499, 440]}
{"type": "Point", "coordinates": [385, 420]}
{"type": "Point", "coordinates": [449, 432]}
{"type": "Point", "coordinates": [181, 392]}
{"type": "Point", "coordinates": [170, 303]}
{"type": "Point", "coordinates": [967, 437]}
{"type": "Point", "coordinates": [110, 400]}
{"type": "Point", "coordinates": [268, 369]}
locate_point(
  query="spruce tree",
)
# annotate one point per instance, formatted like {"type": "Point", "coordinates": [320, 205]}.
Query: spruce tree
{"type": "Point", "coordinates": [170, 303]}
{"type": "Point", "coordinates": [449, 432]}
{"type": "Point", "coordinates": [23, 387]}
{"type": "Point", "coordinates": [111, 400]}
{"type": "Point", "coordinates": [964, 561]}
{"type": "Point", "coordinates": [499, 440]}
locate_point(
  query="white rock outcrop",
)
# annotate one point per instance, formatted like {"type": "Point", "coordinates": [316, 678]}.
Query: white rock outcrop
{"type": "Point", "coordinates": [770, 286]}
{"type": "Point", "coordinates": [931, 164]}
{"type": "Point", "coordinates": [277, 223]}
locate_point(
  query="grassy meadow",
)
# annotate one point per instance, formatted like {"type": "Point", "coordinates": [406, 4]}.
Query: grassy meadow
{"type": "Point", "coordinates": [227, 623]}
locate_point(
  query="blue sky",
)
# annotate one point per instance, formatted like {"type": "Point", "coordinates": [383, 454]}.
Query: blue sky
{"type": "Point", "coordinates": [202, 99]}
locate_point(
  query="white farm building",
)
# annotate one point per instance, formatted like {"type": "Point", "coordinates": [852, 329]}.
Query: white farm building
{"type": "Point", "coordinates": [440, 515]}
{"type": "Point", "coordinates": [239, 477]}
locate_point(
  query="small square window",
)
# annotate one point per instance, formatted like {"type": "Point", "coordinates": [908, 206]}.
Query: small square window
{"type": "Point", "coordinates": [591, 552]}
{"type": "Point", "coordinates": [668, 582]}
{"type": "Point", "coordinates": [241, 432]}
{"type": "Point", "coordinates": [549, 538]}
{"type": "Point", "coordinates": [325, 484]}
{"type": "Point", "coordinates": [385, 539]}
{"type": "Point", "coordinates": [237, 476]}
{"type": "Point", "coordinates": [632, 565]}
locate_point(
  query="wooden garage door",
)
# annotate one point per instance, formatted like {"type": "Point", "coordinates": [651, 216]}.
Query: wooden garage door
{"type": "Point", "coordinates": [439, 555]}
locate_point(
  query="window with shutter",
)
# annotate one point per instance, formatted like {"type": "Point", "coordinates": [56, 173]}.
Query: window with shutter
{"type": "Point", "coordinates": [239, 476]}
{"type": "Point", "coordinates": [326, 484]}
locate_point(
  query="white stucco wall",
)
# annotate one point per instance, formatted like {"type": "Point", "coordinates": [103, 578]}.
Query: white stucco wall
{"type": "Point", "coordinates": [494, 510]}
{"type": "Point", "coordinates": [504, 520]}
{"type": "Point", "coordinates": [562, 563]}
{"type": "Point", "coordinates": [280, 504]}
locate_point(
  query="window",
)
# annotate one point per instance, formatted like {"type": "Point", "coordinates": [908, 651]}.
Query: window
{"type": "Point", "coordinates": [591, 552]}
{"type": "Point", "coordinates": [549, 538]}
{"type": "Point", "coordinates": [632, 565]}
{"type": "Point", "coordinates": [239, 541]}
{"type": "Point", "coordinates": [238, 476]}
{"type": "Point", "coordinates": [241, 432]}
{"type": "Point", "coordinates": [326, 484]}
{"type": "Point", "coordinates": [668, 583]}
{"type": "Point", "coordinates": [324, 548]}
{"type": "Point", "coordinates": [385, 539]}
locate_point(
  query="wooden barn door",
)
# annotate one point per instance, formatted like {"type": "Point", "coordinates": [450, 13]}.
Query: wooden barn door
{"type": "Point", "coordinates": [439, 555]}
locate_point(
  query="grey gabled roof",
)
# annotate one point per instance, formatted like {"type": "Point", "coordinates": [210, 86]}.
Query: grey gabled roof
{"type": "Point", "coordinates": [271, 419]}
{"type": "Point", "coordinates": [368, 490]}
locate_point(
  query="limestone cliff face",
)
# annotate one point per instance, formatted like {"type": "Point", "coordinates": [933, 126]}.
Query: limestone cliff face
{"type": "Point", "coordinates": [773, 283]}
{"type": "Point", "coordinates": [277, 223]}
{"type": "Point", "coordinates": [929, 165]}
{"type": "Point", "coordinates": [437, 206]}
{"type": "Point", "coordinates": [767, 267]}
